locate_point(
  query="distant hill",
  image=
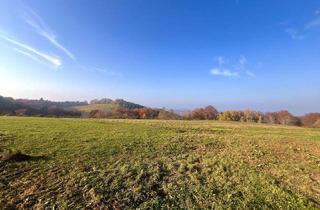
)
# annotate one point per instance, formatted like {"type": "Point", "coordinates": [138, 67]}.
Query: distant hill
{"type": "Point", "coordinates": [10, 106]}
{"type": "Point", "coordinates": [107, 105]}
{"type": "Point", "coordinates": [41, 107]}
{"type": "Point", "coordinates": [100, 107]}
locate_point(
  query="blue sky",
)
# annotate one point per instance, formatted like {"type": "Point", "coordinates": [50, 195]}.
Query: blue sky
{"type": "Point", "coordinates": [180, 54]}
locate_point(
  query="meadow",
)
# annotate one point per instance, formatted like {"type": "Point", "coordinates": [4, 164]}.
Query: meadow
{"type": "Point", "coordinates": [158, 164]}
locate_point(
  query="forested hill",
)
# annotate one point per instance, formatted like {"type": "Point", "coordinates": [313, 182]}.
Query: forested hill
{"type": "Point", "coordinates": [11, 106]}
{"type": "Point", "coordinates": [118, 102]}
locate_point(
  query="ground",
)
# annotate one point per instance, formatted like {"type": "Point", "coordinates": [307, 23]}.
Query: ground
{"type": "Point", "coordinates": [121, 164]}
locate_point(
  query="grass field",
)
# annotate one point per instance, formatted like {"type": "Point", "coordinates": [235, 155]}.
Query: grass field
{"type": "Point", "coordinates": [120, 164]}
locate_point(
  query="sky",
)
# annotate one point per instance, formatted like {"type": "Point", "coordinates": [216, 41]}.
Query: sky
{"type": "Point", "coordinates": [178, 54]}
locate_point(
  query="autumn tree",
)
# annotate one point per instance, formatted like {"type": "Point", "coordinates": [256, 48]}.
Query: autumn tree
{"type": "Point", "coordinates": [168, 115]}
{"type": "Point", "coordinates": [281, 117]}
{"type": "Point", "coordinates": [207, 113]}
{"type": "Point", "coordinates": [210, 113]}
{"type": "Point", "coordinates": [251, 116]}
{"type": "Point", "coordinates": [310, 119]}
{"type": "Point", "coordinates": [231, 115]}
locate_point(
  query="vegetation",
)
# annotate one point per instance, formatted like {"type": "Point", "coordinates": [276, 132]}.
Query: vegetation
{"type": "Point", "coordinates": [25, 107]}
{"type": "Point", "coordinates": [121, 109]}
{"type": "Point", "coordinates": [157, 164]}
{"type": "Point", "coordinates": [207, 113]}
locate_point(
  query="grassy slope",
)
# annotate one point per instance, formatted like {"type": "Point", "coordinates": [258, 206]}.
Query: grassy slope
{"type": "Point", "coordinates": [159, 164]}
{"type": "Point", "coordinates": [91, 107]}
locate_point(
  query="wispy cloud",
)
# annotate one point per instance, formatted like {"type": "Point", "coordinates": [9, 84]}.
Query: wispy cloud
{"type": "Point", "coordinates": [312, 24]}
{"type": "Point", "coordinates": [223, 72]}
{"type": "Point", "coordinates": [231, 70]}
{"type": "Point", "coordinates": [298, 33]}
{"type": "Point", "coordinates": [105, 72]}
{"type": "Point", "coordinates": [243, 60]}
{"type": "Point", "coordinates": [294, 34]}
{"type": "Point", "coordinates": [108, 72]}
{"type": "Point", "coordinates": [25, 53]}
{"type": "Point", "coordinates": [220, 60]}
{"type": "Point", "coordinates": [39, 25]}
{"type": "Point", "coordinates": [250, 74]}
{"type": "Point", "coordinates": [30, 50]}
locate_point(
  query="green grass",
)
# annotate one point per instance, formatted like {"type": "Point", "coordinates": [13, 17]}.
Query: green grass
{"type": "Point", "coordinates": [101, 107]}
{"type": "Point", "coordinates": [153, 164]}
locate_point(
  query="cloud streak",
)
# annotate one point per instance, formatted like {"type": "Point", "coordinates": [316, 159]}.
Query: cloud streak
{"type": "Point", "coordinates": [108, 73]}
{"type": "Point", "coordinates": [294, 34]}
{"type": "Point", "coordinates": [39, 25]}
{"type": "Point", "coordinates": [25, 53]}
{"type": "Point", "coordinates": [30, 50]}
{"type": "Point", "coordinates": [314, 23]}
{"type": "Point", "coordinates": [250, 74]}
{"type": "Point", "coordinates": [299, 34]}
{"type": "Point", "coordinates": [223, 72]}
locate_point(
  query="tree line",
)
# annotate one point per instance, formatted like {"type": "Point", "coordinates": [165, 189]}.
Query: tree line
{"type": "Point", "coordinates": [26, 107]}
{"type": "Point", "coordinates": [129, 110]}
{"type": "Point", "coordinates": [282, 117]}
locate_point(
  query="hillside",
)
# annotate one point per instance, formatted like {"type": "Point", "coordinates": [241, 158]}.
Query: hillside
{"type": "Point", "coordinates": [130, 164]}
{"type": "Point", "coordinates": [101, 107]}
{"type": "Point", "coordinates": [107, 105]}
{"type": "Point", "coordinates": [41, 107]}
{"type": "Point", "coordinates": [28, 107]}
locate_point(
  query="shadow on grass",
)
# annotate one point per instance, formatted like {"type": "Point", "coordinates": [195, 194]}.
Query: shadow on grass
{"type": "Point", "coordinates": [8, 155]}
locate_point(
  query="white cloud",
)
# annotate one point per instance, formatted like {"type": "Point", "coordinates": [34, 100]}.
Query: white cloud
{"type": "Point", "coordinates": [250, 74]}
{"type": "Point", "coordinates": [223, 72]}
{"type": "Point", "coordinates": [51, 59]}
{"type": "Point", "coordinates": [38, 24]}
